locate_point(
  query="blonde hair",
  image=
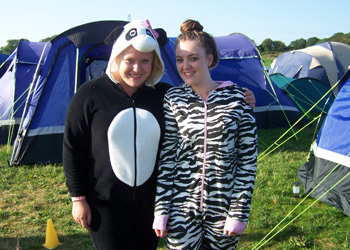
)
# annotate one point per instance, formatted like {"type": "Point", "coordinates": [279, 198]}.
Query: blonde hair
{"type": "Point", "coordinates": [157, 69]}
{"type": "Point", "coordinates": [193, 30]}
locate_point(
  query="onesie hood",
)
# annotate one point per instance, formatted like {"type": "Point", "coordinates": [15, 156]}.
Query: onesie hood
{"type": "Point", "coordinates": [143, 38]}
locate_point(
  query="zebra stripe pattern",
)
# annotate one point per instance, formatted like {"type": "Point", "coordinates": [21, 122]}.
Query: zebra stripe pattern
{"type": "Point", "coordinates": [207, 165]}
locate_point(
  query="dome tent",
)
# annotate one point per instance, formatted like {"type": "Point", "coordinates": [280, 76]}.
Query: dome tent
{"type": "Point", "coordinates": [326, 62]}
{"type": "Point", "coordinates": [306, 93]}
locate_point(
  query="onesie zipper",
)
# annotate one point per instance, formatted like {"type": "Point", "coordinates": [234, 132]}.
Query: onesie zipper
{"type": "Point", "coordinates": [135, 136]}
{"type": "Point", "coordinates": [204, 155]}
{"type": "Point", "coordinates": [135, 151]}
{"type": "Point", "coordinates": [204, 148]}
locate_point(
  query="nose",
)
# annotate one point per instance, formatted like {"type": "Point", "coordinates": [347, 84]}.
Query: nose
{"type": "Point", "coordinates": [137, 66]}
{"type": "Point", "coordinates": [186, 64]}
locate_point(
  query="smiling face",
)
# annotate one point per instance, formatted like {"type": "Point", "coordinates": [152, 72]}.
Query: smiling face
{"type": "Point", "coordinates": [193, 63]}
{"type": "Point", "coordinates": [133, 69]}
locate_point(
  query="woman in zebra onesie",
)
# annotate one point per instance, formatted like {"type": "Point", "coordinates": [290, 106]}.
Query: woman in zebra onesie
{"type": "Point", "coordinates": [208, 158]}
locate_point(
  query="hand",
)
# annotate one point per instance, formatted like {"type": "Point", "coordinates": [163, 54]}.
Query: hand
{"type": "Point", "coordinates": [81, 213]}
{"type": "Point", "coordinates": [160, 233]}
{"type": "Point", "coordinates": [229, 233]}
{"type": "Point", "coordinates": [249, 98]}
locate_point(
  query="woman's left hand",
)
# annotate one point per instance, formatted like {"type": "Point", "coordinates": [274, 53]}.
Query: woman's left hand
{"type": "Point", "coordinates": [160, 233]}
{"type": "Point", "coordinates": [249, 98]}
{"type": "Point", "coordinates": [230, 233]}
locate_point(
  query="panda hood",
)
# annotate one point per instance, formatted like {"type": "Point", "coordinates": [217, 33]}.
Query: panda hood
{"type": "Point", "coordinates": [143, 38]}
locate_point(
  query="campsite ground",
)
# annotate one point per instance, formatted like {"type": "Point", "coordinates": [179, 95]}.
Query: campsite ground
{"type": "Point", "coordinates": [32, 194]}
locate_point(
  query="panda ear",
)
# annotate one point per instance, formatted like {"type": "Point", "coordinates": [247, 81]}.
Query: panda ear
{"type": "Point", "coordinates": [162, 39]}
{"type": "Point", "coordinates": [113, 35]}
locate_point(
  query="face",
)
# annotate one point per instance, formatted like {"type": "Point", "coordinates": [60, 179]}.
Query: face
{"type": "Point", "coordinates": [133, 69]}
{"type": "Point", "coordinates": [192, 62]}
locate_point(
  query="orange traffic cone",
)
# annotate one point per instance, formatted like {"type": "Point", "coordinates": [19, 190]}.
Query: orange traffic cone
{"type": "Point", "coordinates": [51, 240]}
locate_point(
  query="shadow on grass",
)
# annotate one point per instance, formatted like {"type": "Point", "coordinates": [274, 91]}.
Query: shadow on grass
{"type": "Point", "coordinates": [69, 242]}
{"type": "Point", "coordinates": [293, 141]}
{"type": "Point", "coordinates": [251, 237]}
{"type": "Point", "coordinates": [291, 236]}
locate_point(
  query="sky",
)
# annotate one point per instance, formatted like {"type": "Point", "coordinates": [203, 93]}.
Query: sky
{"type": "Point", "coordinates": [280, 20]}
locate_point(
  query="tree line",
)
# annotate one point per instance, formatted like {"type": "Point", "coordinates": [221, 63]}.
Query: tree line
{"type": "Point", "coordinates": [267, 46]}
{"type": "Point", "coordinates": [270, 46]}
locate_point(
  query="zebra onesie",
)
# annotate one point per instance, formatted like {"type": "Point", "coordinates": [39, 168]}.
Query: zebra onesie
{"type": "Point", "coordinates": [207, 167]}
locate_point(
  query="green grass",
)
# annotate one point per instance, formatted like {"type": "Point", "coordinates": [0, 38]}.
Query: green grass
{"type": "Point", "coordinates": [267, 62]}
{"type": "Point", "coordinates": [30, 195]}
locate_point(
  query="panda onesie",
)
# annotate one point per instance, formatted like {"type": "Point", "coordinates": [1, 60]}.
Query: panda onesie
{"type": "Point", "coordinates": [111, 143]}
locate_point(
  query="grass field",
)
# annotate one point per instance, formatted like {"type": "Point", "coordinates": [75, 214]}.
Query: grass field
{"type": "Point", "coordinates": [32, 194]}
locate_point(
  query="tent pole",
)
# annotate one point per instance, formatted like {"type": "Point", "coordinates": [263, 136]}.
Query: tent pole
{"type": "Point", "coordinates": [76, 71]}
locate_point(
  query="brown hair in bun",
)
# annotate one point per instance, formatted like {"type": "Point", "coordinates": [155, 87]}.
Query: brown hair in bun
{"type": "Point", "coordinates": [193, 30]}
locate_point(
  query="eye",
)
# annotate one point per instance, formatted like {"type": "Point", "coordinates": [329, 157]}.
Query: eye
{"type": "Point", "coordinates": [131, 34]}
{"type": "Point", "coordinates": [128, 60]}
{"type": "Point", "coordinates": [178, 60]}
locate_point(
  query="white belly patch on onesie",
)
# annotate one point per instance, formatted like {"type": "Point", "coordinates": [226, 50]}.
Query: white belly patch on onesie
{"type": "Point", "coordinates": [133, 152]}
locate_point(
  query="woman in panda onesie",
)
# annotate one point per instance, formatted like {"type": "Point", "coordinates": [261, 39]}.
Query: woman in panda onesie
{"type": "Point", "coordinates": [113, 128]}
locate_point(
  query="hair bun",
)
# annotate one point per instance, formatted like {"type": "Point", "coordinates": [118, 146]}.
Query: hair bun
{"type": "Point", "coordinates": [190, 26]}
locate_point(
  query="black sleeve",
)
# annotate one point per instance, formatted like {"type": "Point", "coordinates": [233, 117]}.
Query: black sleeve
{"type": "Point", "coordinates": [76, 143]}
{"type": "Point", "coordinates": [163, 87]}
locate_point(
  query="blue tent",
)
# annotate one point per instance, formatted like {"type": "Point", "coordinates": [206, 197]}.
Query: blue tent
{"type": "Point", "coordinates": [240, 62]}
{"type": "Point", "coordinates": [75, 56]}
{"type": "Point", "coordinates": [330, 154]}
{"type": "Point", "coordinates": [6, 62]}
{"type": "Point", "coordinates": [3, 67]}
{"type": "Point", "coordinates": [14, 84]}
{"type": "Point", "coordinates": [3, 57]}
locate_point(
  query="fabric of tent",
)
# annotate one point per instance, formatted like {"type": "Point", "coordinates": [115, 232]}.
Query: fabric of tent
{"type": "Point", "coordinates": [306, 92]}
{"type": "Point", "coordinates": [75, 56]}
{"type": "Point", "coordinates": [329, 159]}
{"type": "Point", "coordinates": [5, 61]}
{"type": "Point", "coordinates": [20, 68]}
{"type": "Point", "coordinates": [3, 57]}
{"type": "Point", "coordinates": [240, 62]}
{"type": "Point", "coordinates": [327, 62]}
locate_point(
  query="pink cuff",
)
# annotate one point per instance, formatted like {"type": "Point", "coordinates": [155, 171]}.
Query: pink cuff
{"type": "Point", "coordinates": [160, 222]}
{"type": "Point", "coordinates": [78, 198]}
{"type": "Point", "coordinates": [234, 226]}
